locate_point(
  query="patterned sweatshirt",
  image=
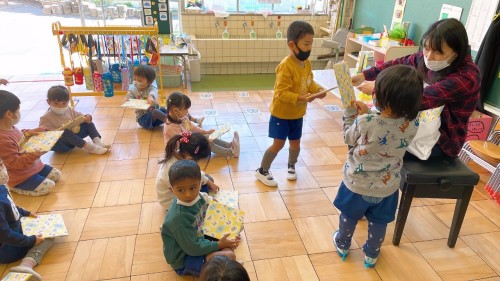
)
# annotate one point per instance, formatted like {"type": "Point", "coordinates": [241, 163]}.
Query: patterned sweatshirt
{"type": "Point", "coordinates": [378, 143]}
{"type": "Point", "coordinates": [150, 91]}
{"type": "Point", "coordinates": [182, 231]}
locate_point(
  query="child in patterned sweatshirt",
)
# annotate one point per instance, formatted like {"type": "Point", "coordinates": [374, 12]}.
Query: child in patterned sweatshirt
{"type": "Point", "coordinates": [372, 171]}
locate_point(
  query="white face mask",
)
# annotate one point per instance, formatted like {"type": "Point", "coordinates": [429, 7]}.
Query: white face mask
{"type": "Point", "coordinates": [59, 110]}
{"type": "Point", "coordinates": [138, 85]}
{"type": "Point", "coordinates": [17, 120]}
{"type": "Point", "coordinates": [437, 65]}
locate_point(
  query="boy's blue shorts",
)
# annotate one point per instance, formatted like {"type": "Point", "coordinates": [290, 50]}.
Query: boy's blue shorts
{"type": "Point", "coordinates": [282, 128]}
{"type": "Point", "coordinates": [354, 206]}
{"type": "Point", "coordinates": [192, 265]}
{"type": "Point", "coordinates": [146, 120]}
{"type": "Point", "coordinates": [34, 181]}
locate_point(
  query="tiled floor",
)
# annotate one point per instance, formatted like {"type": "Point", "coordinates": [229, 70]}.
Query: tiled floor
{"type": "Point", "coordinates": [108, 203]}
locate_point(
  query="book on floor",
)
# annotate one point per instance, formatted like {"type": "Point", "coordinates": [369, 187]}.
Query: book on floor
{"type": "Point", "coordinates": [220, 131]}
{"type": "Point", "coordinates": [344, 82]}
{"type": "Point", "coordinates": [137, 104]}
{"type": "Point", "coordinates": [17, 276]}
{"type": "Point", "coordinates": [226, 197]}
{"type": "Point", "coordinates": [41, 142]}
{"type": "Point", "coordinates": [48, 226]}
{"type": "Point", "coordinates": [221, 219]}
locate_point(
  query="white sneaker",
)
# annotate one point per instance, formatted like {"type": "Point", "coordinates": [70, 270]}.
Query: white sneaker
{"type": "Point", "coordinates": [265, 177]}
{"type": "Point", "coordinates": [94, 149]}
{"type": "Point", "coordinates": [291, 175]}
{"type": "Point", "coordinates": [97, 141]}
{"type": "Point", "coordinates": [24, 269]}
{"type": "Point", "coordinates": [341, 252]}
{"type": "Point", "coordinates": [370, 262]}
{"type": "Point", "coordinates": [236, 145]}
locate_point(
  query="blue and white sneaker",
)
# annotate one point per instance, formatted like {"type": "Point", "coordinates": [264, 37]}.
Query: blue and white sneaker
{"type": "Point", "coordinates": [340, 252]}
{"type": "Point", "coordinates": [370, 262]}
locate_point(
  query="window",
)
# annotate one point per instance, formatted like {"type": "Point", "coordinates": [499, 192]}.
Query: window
{"type": "Point", "coordinates": [243, 6]}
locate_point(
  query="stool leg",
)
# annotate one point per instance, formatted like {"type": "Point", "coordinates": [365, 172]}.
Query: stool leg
{"type": "Point", "coordinates": [404, 207]}
{"type": "Point", "coordinates": [458, 216]}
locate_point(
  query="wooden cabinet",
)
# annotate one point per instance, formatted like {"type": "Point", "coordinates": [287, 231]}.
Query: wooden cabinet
{"type": "Point", "coordinates": [353, 46]}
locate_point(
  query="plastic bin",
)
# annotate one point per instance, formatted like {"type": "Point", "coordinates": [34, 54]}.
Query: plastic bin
{"type": "Point", "coordinates": [170, 80]}
{"type": "Point", "coordinates": [194, 69]}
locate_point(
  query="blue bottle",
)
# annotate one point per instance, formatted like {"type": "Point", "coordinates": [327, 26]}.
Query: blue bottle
{"type": "Point", "coordinates": [109, 91]}
{"type": "Point", "coordinates": [116, 74]}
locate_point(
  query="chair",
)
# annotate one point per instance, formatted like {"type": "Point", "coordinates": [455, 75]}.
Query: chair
{"type": "Point", "coordinates": [487, 155]}
{"type": "Point", "coordinates": [336, 43]}
{"type": "Point", "coordinates": [437, 177]}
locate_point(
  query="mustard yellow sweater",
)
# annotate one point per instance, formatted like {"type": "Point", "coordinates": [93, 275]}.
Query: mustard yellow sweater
{"type": "Point", "coordinates": [291, 82]}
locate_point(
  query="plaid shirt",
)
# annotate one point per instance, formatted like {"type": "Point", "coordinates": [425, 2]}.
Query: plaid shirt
{"type": "Point", "coordinates": [458, 92]}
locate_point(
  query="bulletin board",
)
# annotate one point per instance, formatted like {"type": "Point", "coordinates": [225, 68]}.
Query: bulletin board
{"type": "Point", "coordinates": [156, 11]}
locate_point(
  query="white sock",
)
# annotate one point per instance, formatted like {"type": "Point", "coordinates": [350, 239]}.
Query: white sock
{"type": "Point", "coordinates": [98, 141]}
{"type": "Point", "coordinates": [94, 149]}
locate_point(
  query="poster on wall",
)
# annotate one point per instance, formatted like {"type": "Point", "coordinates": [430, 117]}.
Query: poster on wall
{"type": "Point", "coordinates": [450, 11]}
{"type": "Point", "coordinates": [480, 15]}
{"type": "Point", "coordinates": [399, 10]}
{"type": "Point", "coordinates": [270, 1]}
{"type": "Point", "coordinates": [156, 11]}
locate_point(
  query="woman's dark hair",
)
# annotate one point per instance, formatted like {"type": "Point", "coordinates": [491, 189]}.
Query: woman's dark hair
{"type": "Point", "coordinates": [222, 268]}
{"type": "Point", "coordinates": [400, 87]}
{"type": "Point", "coordinates": [453, 32]}
{"type": "Point", "coordinates": [58, 93]}
{"type": "Point", "coordinates": [184, 169]}
{"type": "Point", "coordinates": [297, 30]}
{"type": "Point", "coordinates": [8, 102]}
{"type": "Point", "coordinates": [178, 100]}
{"type": "Point", "coordinates": [195, 145]}
{"type": "Point", "coordinates": [147, 72]}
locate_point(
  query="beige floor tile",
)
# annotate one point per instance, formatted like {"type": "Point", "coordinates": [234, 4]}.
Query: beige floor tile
{"type": "Point", "coordinates": [52, 158]}
{"type": "Point", "coordinates": [157, 149]}
{"type": "Point", "coordinates": [133, 136]}
{"type": "Point", "coordinates": [423, 225]}
{"type": "Point", "coordinates": [403, 262]}
{"type": "Point", "coordinates": [152, 217]}
{"type": "Point", "coordinates": [245, 182]}
{"type": "Point", "coordinates": [326, 176]}
{"type": "Point", "coordinates": [304, 179]}
{"type": "Point", "coordinates": [69, 196]}
{"type": "Point", "coordinates": [266, 206]}
{"type": "Point", "coordinates": [329, 266]}
{"type": "Point", "coordinates": [326, 125]}
{"type": "Point", "coordinates": [162, 276]}
{"type": "Point", "coordinates": [125, 170]}
{"type": "Point", "coordinates": [29, 203]}
{"type": "Point", "coordinates": [243, 252]}
{"type": "Point", "coordinates": [129, 124]}
{"type": "Point", "coordinates": [322, 156]}
{"type": "Point", "coordinates": [216, 165]}
{"type": "Point", "coordinates": [118, 193]}
{"type": "Point", "coordinates": [489, 209]}
{"type": "Point", "coordinates": [148, 255]}
{"type": "Point", "coordinates": [111, 113]}
{"type": "Point", "coordinates": [223, 180]}
{"type": "Point", "coordinates": [316, 233]}
{"type": "Point", "coordinates": [233, 117]}
{"type": "Point", "coordinates": [273, 239]}
{"type": "Point", "coordinates": [149, 194]}
{"type": "Point", "coordinates": [332, 138]}
{"type": "Point", "coordinates": [153, 167]}
{"type": "Point", "coordinates": [128, 151]}
{"type": "Point", "coordinates": [259, 129]}
{"type": "Point", "coordinates": [85, 172]}
{"type": "Point", "coordinates": [111, 222]}
{"type": "Point", "coordinates": [243, 130]}
{"type": "Point", "coordinates": [487, 247]}
{"type": "Point", "coordinates": [318, 113]}
{"type": "Point", "coordinates": [107, 123]}
{"type": "Point", "coordinates": [56, 263]}
{"type": "Point", "coordinates": [74, 220]}
{"type": "Point", "coordinates": [459, 263]}
{"type": "Point", "coordinates": [102, 259]}
{"type": "Point", "coordinates": [287, 268]}
{"type": "Point", "coordinates": [361, 233]}
{"type": "Point", "coordinates": [307, 203]}
{"type": "Point", "coordinates": [474, 221]}
{"type": "Point", "coordinates": [78, 155]}
{"type": "Point", "coordinates": [229, 107]}
{"type": "Point", "coordinates": [248, 161]}
{"type": "Point", "coordinates": [264, 142]}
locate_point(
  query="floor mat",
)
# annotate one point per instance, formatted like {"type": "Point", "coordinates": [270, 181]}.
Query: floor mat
{"type": "Point", "coordinates": [234, 82]}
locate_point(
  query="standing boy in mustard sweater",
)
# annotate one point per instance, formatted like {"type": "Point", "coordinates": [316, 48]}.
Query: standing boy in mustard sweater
{"type": "Point", "coordinates": [292, 91]}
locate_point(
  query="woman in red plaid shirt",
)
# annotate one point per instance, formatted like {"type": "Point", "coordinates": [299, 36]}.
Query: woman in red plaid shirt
{"type": "Point", "coordinates": [451, 79]}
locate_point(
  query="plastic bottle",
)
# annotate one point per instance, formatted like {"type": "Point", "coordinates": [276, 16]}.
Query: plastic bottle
{"type": "Point", "coordinates": [68, 77]}
{"type": "Point", "coordinates": [109, 91]}
{"type": "Point", "coordinates": [78, 73]}
{"type": "Point", "coordinates": [98, 84]}
{"type": "Point", "coordinates": [116, 74]}
{"type": "Point", "coordinates": [87, 74]}
{"type": "Point", "coordinates": [125, 79]}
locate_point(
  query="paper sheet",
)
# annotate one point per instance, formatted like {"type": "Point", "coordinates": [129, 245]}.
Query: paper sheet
{"type": "Point", "coordinates": [17, 276]}
{"type": "Point", "coordinates": [137, 104]}
{"type": "Point", "coordinates": [47, 225]}
{"type": "Point", "coordinates": [42, 142]}
{"type": "Point", "coordinates": [344, 82]}
{"type": "Point", "coordinates": [221, 219]}
{"type": "Point", "coordinates": [220, 131]}
{"type": "Point", "coordinates": [227, 197]}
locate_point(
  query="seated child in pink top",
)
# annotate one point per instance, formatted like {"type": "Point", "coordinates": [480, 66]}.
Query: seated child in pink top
{"type": "Point", "coordinates": [178, 121]}
{"type": "Point", "coordinates": [27, 174]}
{"type": "Point", "coordinates": [60, 114]}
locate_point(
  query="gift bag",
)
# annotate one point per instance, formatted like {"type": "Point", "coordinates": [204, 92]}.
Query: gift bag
{"type": "Point", "coordinates": [428, 133]}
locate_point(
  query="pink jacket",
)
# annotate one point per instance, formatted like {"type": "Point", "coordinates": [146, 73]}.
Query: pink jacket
{"type": "Point", "coordinates": [172, 129]}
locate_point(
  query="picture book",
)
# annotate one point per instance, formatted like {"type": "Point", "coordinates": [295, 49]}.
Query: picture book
{"type": "Point", "coordinates": [73, 125]}
{"type": "Point", "coordinates": [17, 276]}
{"type": "Point", "coordinates": [42, 142]}
{"type": "Point", "coordinates": [221, 219]}
{"type": "Point", "coordinates": [220, 131]}
{"type": "Point", "coordinates": [227, 197]}
{"type": "Point", "coordinates": [47, 225]}
{"type": "Point", "coordinates": [137, 104]}
{"type": "Point", "coordinates": [344, 82]}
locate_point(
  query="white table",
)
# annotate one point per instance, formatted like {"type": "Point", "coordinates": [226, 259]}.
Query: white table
{"type": "Point", "coordinates": [182, 53]}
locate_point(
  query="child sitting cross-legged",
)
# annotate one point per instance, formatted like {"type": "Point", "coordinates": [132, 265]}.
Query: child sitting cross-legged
{"type": "Point", "coordinates": [28, 175]}
{"type": "Point", "coordinates": [372, 171]}
{"type": "Point", "coordinates": [13, 244]}
{"type": "Point", "coordinates": [178, 121]}
{"type": "Point", "coordinates": [60, 114]}
{"type": "Point", "coordinates": [184, 245]}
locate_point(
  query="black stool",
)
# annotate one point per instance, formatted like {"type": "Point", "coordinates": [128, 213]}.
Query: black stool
{"type": "Point", "coordinates": [438, 177]}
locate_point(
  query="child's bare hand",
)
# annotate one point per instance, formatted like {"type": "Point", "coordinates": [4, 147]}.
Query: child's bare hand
{"type": "Point", "coordinates": [362, 107]}
{"type": "Point", "coordinates": [224, 242]}
{"type": "Point", "coordinates": [87, 118]}
{"type": "Point", "coordinates": [208, 132]}
{"type": "Point", "coordinates": [4, 82]}
{"type": "Point", "coordinates": [39, 240]}
{"type": "Point", "coordinates": [151, 101]}
{"type": "Point", "coordinates": [212, 186]}
{"type": "Point", "coordinates": [322, 96]}
{"type": "Point", "coordinates": [33, 215]}
{"type": "Point", "coordinates": [37, 131]}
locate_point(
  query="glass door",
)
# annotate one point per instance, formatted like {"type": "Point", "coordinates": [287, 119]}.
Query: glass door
{"type": "Point", "coordinates": [111, 12]}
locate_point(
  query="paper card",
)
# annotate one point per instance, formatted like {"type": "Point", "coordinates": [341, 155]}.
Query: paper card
{"type": "Point", "coordinates": [430, 114]}
{"type": "Point", "coordinates": [17, 276]}
{"type": "Point", "coordinates": [137, 104]}
{"type": "Point", "coordinates": [219, 132]}
{"type": "Point", "coordinates": [47, 225]}
{"type": "Point", "coordinates": [344, 82]}
{"type": "Point", "coordinates": [322, 92]}
{"type": "Point", "coordinates": [221, 219]}
{"type": "Point", "coordinates": [227, 197]}
{"type": "Point", "coordinates": [42, 142]}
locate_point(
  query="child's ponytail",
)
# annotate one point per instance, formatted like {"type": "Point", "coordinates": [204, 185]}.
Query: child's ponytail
{"type": "Point", "coordinates": [195, 145]}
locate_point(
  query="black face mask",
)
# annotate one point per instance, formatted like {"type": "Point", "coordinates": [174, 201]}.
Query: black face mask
{"type": "Point", "coordinates": [302, 56]}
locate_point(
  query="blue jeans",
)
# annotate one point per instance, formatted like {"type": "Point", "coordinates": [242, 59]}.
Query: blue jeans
{"type": "Point", "coordinates": [69, 140]}
{"type": "Point", "coordinates": [10, 253]}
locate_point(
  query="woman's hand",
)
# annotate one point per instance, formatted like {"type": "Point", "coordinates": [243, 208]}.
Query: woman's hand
{"type": "Point", "coordinates": [358, 79]}
{"type": "Point", "coordinates": [367, 87]}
